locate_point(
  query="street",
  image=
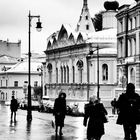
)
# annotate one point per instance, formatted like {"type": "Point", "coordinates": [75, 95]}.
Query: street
{"type": "Point", "coordinates": [40, 128]}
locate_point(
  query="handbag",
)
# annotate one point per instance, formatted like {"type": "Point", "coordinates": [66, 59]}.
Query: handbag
{"type": "Point", "coordinates": [53, 124]}
{"type": "Point", "coordinates": [105, 118]}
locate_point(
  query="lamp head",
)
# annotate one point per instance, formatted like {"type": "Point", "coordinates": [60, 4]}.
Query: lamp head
{"type": "Point", "coordinates": [38, 26]}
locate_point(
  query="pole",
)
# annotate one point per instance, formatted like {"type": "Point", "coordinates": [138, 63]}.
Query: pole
{"type": "Point", "coordinates": [98, 86]}
{"type": "Point", "coordinates": [29, 111]}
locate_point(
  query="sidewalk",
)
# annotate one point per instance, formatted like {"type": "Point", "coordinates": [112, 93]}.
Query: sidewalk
{"type": "Point", "coordinates": [40, 128]}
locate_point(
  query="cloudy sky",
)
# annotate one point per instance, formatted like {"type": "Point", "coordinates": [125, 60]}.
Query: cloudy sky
{"type": "Point", "coordinates": [14, 18]}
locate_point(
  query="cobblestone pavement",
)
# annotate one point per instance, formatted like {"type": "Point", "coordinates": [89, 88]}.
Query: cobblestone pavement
{"type": "Point", "coordinates": [40, 128]}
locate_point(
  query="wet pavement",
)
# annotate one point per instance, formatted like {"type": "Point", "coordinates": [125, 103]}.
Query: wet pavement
{"type": "Point", "coordinates": [40, 127]}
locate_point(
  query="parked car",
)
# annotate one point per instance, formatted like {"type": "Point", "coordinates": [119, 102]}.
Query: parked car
{"type": "Point", "coordinates": [48, 107]}
{"type": "Point", "coordinates": [7, 102]}
{"type": "Point", "coordinates": [24, 104]}
{"type": "Point", "coordinates": [77, 108]}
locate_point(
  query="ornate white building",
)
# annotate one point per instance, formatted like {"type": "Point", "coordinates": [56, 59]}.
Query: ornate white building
{"type": "Point", "coordinates": [72, 59]}
{"type": "Point", "coordinates": [128, 48]}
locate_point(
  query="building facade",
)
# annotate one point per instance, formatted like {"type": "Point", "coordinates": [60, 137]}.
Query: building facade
{"type": "Point", "coordinates": [12, 49]}
{"type": "Point", "coordinates": [15, 80]}
{"type": "Point", "coordinates": [128, 46]}
{"type": "Point", "coordinates": [80, 61]}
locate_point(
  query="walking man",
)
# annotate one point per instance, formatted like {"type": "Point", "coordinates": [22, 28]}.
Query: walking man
{"type": "Point", "coordinates": [13, 107]}
{"type": "Point", "coordinates": [129, 113]}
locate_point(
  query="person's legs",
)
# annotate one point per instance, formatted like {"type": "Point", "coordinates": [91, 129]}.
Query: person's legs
{"type": "Point", "coordinates": [126, 128]}
{"type": "Point", "coordinates": [60, 131]}
{"type": "Point", "coordinates": [15, 116]}
{"type": "Point", "coordinates": [98, 138]}
{"type": "Point", "coordinates": [56, 129]}
{"type": "Point", "coordinates": [11, 115]}
{"type": "Point", "coordinates": [133, 132]}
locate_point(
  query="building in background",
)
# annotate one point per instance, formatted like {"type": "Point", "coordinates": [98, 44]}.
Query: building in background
{"type": "Point", "coordinates": [72, 61]}
{"type": "Point", "coordinates": [11, 49]}
{"type": "Point", "coordinates": [128, 46]}
{"type": "Point", "coordinates": [14, 81]}
{"type": "Point", "coordinates": [6, 62]}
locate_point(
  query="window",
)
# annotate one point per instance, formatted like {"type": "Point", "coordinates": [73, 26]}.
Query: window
{"type": "Point", "coordinates": [73, 74]}
{"type": "Point", "coordinates": [35, 83]}
{"type": "Point", "coordinates": [61, 75]}
{"type": "Point", "coordinates": [80, 69]}
{"type": "Point", "coordinates": [131, 25]}
{"type": "Point", "coordinates": [135, 20]}
{"type": "Point", "coordinates": [15, 83]}
{"type": "Point", "coordinates": [64, 74]}
{"type": "Point", "coordinates": [56, 75]}
{"type": "Point", "coordinates": [67, 74]}
{"type": "Point", "coordinates": [129, 47]}
{"type": "Point", "coordinates": [49, 67]}
{"type": "Point", "coordinates": [6, 83]}
{"type": "Point", "coordinates": [86, 17]}
{"type": "Point", "coordinates": [132, 75]}
{"type": "Point", "coordinates": [120, 48]}
{"type": "Point", "coordinates": [121, 26]}
{"type": "Point", "coordinates": [87, 27]}
{"type": "Point", "coordinates": [81, 75]}
{"type": "Point", "coordinates": [104, 72]}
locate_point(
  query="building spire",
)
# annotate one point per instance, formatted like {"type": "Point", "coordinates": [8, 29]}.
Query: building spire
{"type": "Point", "coordinates": [85, 3]}
{"type": "Point", "coordinates": [85, 23]}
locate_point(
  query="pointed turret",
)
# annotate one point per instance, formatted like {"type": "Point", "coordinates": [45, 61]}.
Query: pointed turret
{"type": "Point", "coordinates": [85, 22]}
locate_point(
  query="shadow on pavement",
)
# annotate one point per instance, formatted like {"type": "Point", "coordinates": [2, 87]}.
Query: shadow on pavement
{"type": "Point", "coordinates": [56, 137]}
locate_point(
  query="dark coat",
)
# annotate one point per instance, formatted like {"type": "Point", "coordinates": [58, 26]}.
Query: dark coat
{"type": "Point", "coordinates": [14, 105]}
{"type": "Point", "coordinates": [129, 109]}
{"type": "Point", "coordinates": [95, 114]}
{"type": "Point", "coordinates": [59, 111]}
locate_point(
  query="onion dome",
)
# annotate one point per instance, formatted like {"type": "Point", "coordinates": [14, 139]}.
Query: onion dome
{"type": "Point", "coordinates": [111, 5]}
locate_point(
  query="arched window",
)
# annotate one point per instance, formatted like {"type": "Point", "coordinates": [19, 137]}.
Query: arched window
{"type": "Point", "coordinates": [49, 67]}
{"type": "Point", "coordinates": [104, 72]}
{"type": "Point", "coordinates": [56, 75]}
{"type": "Point", "coordinates": [67, 74]}
{"type": "Point", "coordinates": [80, 69]}
{"type": "Point", "coordinates": [73, 74]}
{"type": "Point", "coordinates": [64, 74]}
{"type": "Point", "coordinates": [61, 75]}
{"type": "Point", "coordinates": [132, 75]}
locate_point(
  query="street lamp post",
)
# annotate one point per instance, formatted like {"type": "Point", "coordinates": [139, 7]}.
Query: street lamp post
{"type": "Point", "coordinates": [98, 84]}
{"type": "Point", "coordinates": [38, 27]}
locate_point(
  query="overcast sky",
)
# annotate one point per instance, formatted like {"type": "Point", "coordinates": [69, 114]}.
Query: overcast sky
{"type": "Point", "coordinates": [14, 18]}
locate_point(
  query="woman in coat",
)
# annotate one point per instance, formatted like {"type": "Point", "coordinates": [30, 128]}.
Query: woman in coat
{"type": "Point", "coordinates": [60, 112]}
{"type": "Point", "coordinates": [95, 112]}
{"type": "Point", "coordinates": [129, 112]}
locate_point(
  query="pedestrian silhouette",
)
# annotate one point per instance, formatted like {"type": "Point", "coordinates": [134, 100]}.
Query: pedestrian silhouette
{"type": "Point", "coordinates": [129, 112]}
{"type": "Point", "coordinates": [59, 112]}
{"type": "Point", "coordinates": [13, 107]}
{"type": "Point", "coordinates": [95, 112]}
{"type": "Point", "coordinates": [113, 104]}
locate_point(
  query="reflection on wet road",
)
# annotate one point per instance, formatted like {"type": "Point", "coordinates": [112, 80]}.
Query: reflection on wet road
{"type": "Point", "coordinates": [38, 129]}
